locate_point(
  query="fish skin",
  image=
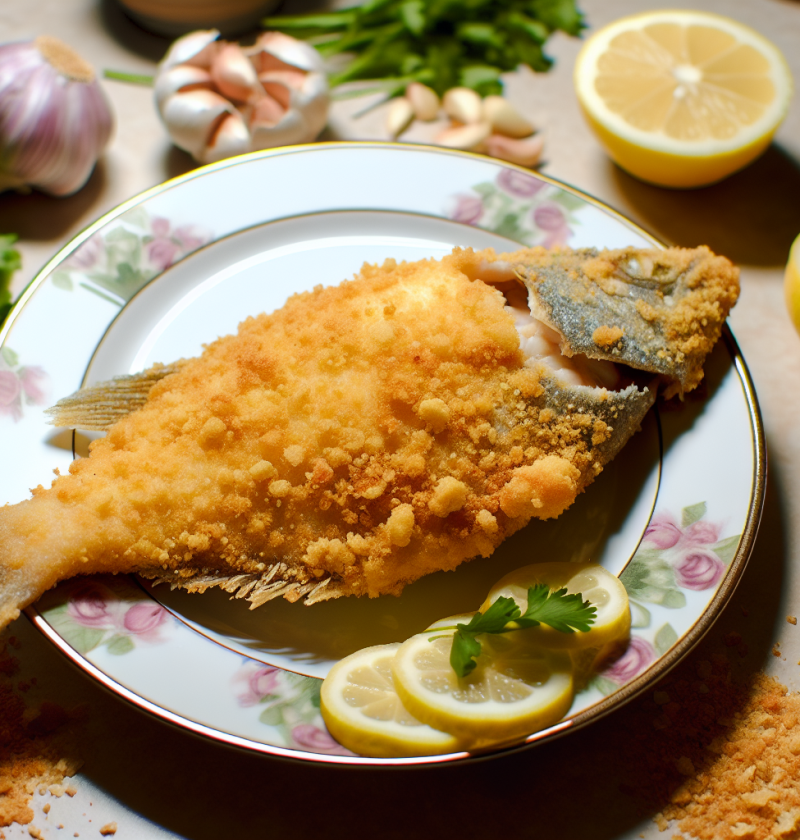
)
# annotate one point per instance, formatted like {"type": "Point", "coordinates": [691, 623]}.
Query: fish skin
{"type": "Point", "coordinates": [304, 460]}
{"type": "Point", "coordinates": [668, 305]}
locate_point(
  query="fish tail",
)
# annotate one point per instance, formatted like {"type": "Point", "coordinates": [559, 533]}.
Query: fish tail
{"type": "Point", "coordinates": [40, 545]}
{"type": "Point", "coordinates": [17, 588]}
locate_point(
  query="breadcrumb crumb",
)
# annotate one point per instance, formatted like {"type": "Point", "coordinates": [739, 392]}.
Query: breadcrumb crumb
{"type": "Point", "coordinates": [36, 747]}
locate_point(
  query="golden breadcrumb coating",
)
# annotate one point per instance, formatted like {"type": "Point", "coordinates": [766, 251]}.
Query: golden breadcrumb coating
{"type": "Point", "coordinates": [362, 436]}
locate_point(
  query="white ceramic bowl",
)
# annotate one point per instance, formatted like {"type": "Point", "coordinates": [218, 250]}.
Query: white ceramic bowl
{"type": "Point", "coordinates": [177, 17]}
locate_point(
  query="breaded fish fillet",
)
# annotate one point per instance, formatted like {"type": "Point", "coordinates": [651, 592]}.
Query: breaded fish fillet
{"type": "Point", "coordinates": [368, 434]}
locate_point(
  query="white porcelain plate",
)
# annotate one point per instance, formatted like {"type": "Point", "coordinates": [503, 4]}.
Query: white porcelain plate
{"type": "Point", "coordinates": [675, 514]}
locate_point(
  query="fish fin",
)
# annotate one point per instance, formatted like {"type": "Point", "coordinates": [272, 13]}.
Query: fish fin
{"type": "Point", "coordinates": [255, 588]}
{"type": "Point", "coordinates": [98, 407]}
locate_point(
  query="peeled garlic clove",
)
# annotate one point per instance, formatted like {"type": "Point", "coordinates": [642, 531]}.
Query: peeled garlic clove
{"type": "Point", "coordinates": [465, 137]}
{"type": "Point", "coordinates": [196, 49]}
{"type": "Point", "coordinates": [184, 77]}
{"type": "Point", "coordinates": [524, 152]}
{"type": "Point", "coordinates": [424, 101]}
{"type": "Point", "coordinates": [399, 116]}
{"type": "Point", "coordinates": [463, 105]}
{"type": "Point", "coordinates": [55, 120]}
{"type": "Point", "coordinates": [193, 117]}
{"type": "Point", "coordinates": [505, 119]}
{"type": "Point", "coordinates": [233, 74]}
{"type": "Point", "coordinates": [230, 137]}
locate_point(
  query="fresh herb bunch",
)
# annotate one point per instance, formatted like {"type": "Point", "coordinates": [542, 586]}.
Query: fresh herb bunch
{"type": "Point", "coordinates": [441, 43]}
{"type": "Point", "coordinates": [9, 263]}
{"type": "Point", "coordinates": [563, 612]}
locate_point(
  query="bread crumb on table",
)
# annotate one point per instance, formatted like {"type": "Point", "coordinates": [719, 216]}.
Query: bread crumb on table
{"type": "Point", "coordinates": [37, 747]}
{"type": "Point", "coordinates": [745, 783]}
{"type": "Point", "coordinates": [791, 619]}
{"type": "Point", "coordinates": [109, 828]}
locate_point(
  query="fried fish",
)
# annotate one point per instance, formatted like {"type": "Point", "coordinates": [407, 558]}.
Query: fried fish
{"type": "Point", "coordinates": [367, 434]}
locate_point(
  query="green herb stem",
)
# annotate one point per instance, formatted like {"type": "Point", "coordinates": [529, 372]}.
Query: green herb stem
{"type": "Point", "coordinates": [132, 78]}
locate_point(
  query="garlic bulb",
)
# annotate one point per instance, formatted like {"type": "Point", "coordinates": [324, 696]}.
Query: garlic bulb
{"type": "Point", "coordinates": [55, 120]}
{"type": "Point", "coordinates": [218, 99]}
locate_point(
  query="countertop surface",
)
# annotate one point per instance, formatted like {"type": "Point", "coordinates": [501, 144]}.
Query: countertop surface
{"type": "Point", "coordinates": [154, 780]}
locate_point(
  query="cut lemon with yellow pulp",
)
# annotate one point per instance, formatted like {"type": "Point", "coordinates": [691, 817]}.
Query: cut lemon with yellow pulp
{"type": "Point", "coordinates": [792, 283]}
{"type": "Point", "coordinates": [515, 689]}
{"type": "Point", "coordinates": [362, 711]}
{"type": "Point", "coordinates": [594, 583]}
{"type": "Point", "coordinates": [682, 98]}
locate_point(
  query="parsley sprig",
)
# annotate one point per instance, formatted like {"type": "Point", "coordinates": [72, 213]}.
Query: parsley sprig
{"type": "Point", "coordinates": [442, 43]}
{"type": "Point", "coordinates": [563, 612]}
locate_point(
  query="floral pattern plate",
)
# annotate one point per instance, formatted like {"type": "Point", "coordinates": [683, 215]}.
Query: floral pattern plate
{"type": "Point", "coordinates": [675, 515]}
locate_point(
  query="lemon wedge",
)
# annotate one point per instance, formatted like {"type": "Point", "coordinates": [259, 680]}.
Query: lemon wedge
{"type": "Point", "coordinates": [516, 688]}
{"type": "Point", "coordinates": [682, 98]}
{"type": "Point", "coordinates": [594, 583]}
{"type": "Point", "coordinates": [792, 283]}
{"type": "Point", "coordinates": [362, 711]}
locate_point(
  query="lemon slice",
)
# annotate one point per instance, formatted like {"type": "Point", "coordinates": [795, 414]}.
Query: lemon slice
{"type": "Point", "coordinates": [792, 283]}
{"type": "Point", "coordinates": [682, 98]}
{"type": "Point", "coordinates": [516, 688]}
{"type": "Point", "coordinates": [452, 621]}
{"type": "Point", "coordinates": [363, 712]}
{"type": "Point", "coordinates": [596, 585]}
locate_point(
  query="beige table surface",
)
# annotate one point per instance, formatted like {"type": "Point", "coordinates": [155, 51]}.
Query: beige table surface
{"type": "Point", "coordinates": [156, 781]}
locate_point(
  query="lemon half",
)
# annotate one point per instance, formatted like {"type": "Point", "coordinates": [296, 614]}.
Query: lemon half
{"type": "Point", "coordinates": [362, 711]}
{"type": "Point", "coordinates": [595, 584]}
{"type": "Point", "coordinates": [682, 98]}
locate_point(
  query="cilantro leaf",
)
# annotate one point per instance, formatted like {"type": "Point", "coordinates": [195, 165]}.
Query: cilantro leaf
{"type": "Point", "coordinates": [563, 612]}
{"type": "Point", "coordinates": [464, 652]}
{"type": "Point", "coordinates": [469, 42]}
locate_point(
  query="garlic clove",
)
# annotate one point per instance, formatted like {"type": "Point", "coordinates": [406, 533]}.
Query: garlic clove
{"type": "Point", "coordinates": [289, 50]}
{"type": "Point", "coordinates": [290, 129]}
{"type": "Point", "coordinates": [505, 119]}
{"type": "Point", "coordinates": [463, 105]}
{"type": "Point", "coordinates": [197, 49]}
{"type": "Point", "coordinates": [230, 137]}
{"type": "Point", "coordinates": [289, 77]}
{"type": "Point", "coordinates": [268, 110]}
{"type": "Point", "coordinates": [424, 101]}
{"type": "Point", "coordinates": [233, 74]}
{"type": "Point", "coordinates": [399, 116]}
{"type": "Point", "coordinates": [524, 152]}
{"type": "Point", "coordinates": [312, 99]}
{"type": "Point", "coordinates": [183, 77]}
{"type": "Point", "coordinates": [193, 117]}
{"type": "Point", "coordinates": [465, 137]}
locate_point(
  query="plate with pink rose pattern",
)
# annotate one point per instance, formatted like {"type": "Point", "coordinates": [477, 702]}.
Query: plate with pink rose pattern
{"type": "Point", "coordinates": [674, 516]}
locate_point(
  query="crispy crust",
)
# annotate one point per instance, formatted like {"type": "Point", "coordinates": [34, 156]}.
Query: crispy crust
{"type": "Point", "coordinates": [355, 440]}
